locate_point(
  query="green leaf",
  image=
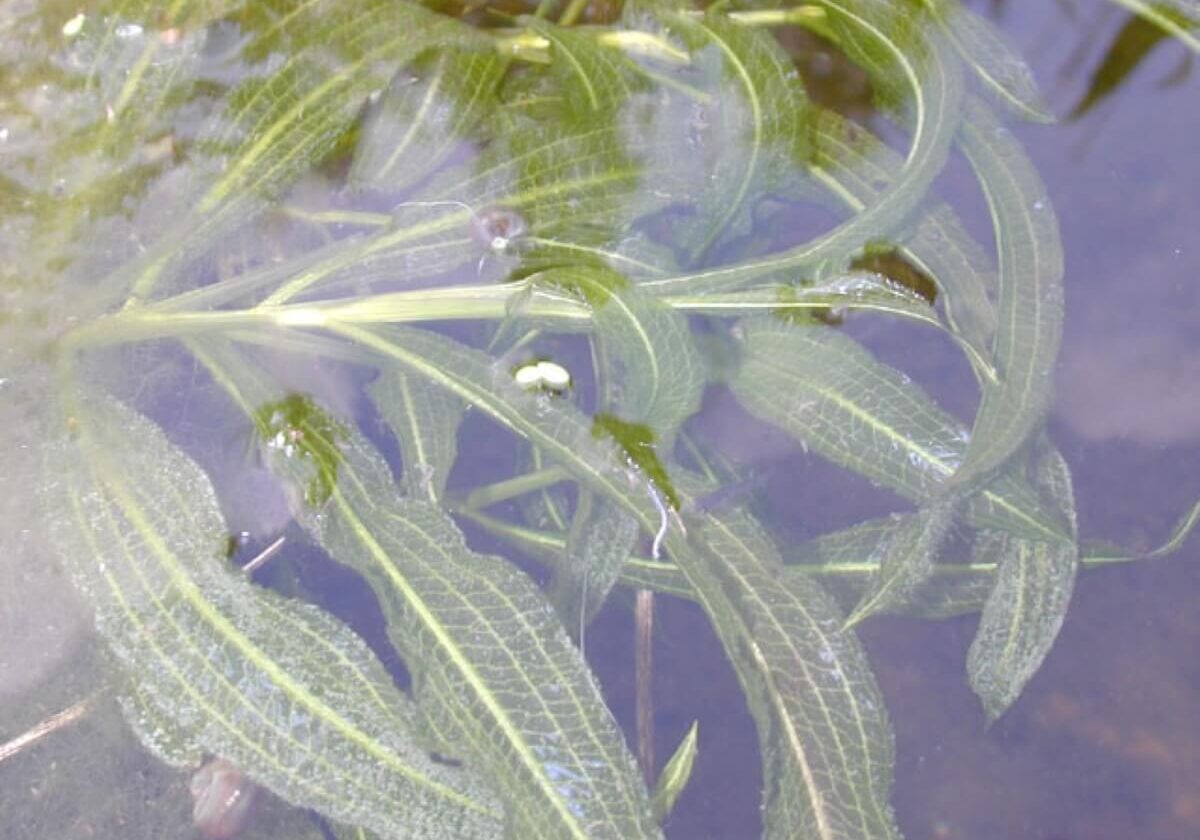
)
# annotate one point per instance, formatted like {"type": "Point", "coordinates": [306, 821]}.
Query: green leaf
{"type": "Point", "coordinates": [998, 65]}
{"type": "Point", "coordinates": [647, 367]}
{"type": "Point", "coordinates": [497, 679]}
{"type": "Point", "coordinates": [728, 127]}
{"type": "Point", "coordinates": [917, 79]}
{"type": "Point", "coordinates": [857, 168]}
{"type": "Point", "coordinates": [426, 115]}
{"type": "Point", "coordinates": [425, 420]}
{"type": "Point", "coordinates": [905, 560]}
{"type": "Point", "coordinates": [218, 665]}
{"type": "Point", "coordinates": [602, 536]}
{"type": "Point", "coordinates": [1029, 329]}
{"type": "Point", "coordinates": [676, 774]}
{"type": "Point", "coordinates": [1130, 46]}
{"type": "Point", "coordinates": [548, 548]}
{"type": "Point", "coordinates": [846, 562]}
{"type": "Point", "coordinates": [1028, 602]}
{"type": "Point", "coordinates": [833, 396]}
{"type": "Point", "coordinates": [1021, 616]}
{"type": "Point", "coordinates": [276, 127]}
{"type": "Point", "coordinates": [1178, 18]}
{"type": "Point", "coordinates": [1179, 535]}
{"type": "Point", "coordinates": [823, 732]}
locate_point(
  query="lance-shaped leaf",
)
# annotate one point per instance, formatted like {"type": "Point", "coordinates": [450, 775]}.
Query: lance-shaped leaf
{"type": "Point", "coordinates": [905, 559]}
{"type": "Point", "coordinates": [831, 394]}
{"type": "Point", "coordinates": [275, 127]}
{"type": "Point", "coordinates": [917, 80]}
{"type": "Point", "coordinates": [1029, 328]}
{"type": "Point", "coordinates": [427, 114]}
{"type": "Point", "coordinates": [647, 367]}
{"type": "Point", "coordinates": [997, 64]}
{"type": "Point", "coordinates": [826, 742]}
{"type": "Point", "coordinates": [857, 167]}
{"type": "Point", "coordinates": [544, 186]}
{"type": "Point", "coordinates": [677, 772]}
{"type": "Point", "coordinates": [547, 547]}
{"type": "Point", "coordinates": [1179, 18]}
{"type": "Point", "coordinates": [824, 735]}
{"type": "Point", "coordinates": [218, 665]}
{"type": "Point", "coordinates": [499, 683]}
{"type": "Point", "coordinates": [601, 538]}
{"type": "Point", "coordinates": [730, 126]}
{"type": "Point", "coordinates": [425, 420]}
{"type": "Point", "coordinates": [845, 562]}
{"type": "Point", "coordinates": [1130, 46]}
{"type": "Point", "coordinates": [1028, 602]}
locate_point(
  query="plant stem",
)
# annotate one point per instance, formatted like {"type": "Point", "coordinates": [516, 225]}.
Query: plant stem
{"type": "Point", "coordinates": [502, 491]}
{"type": "Point", "coordinates": [52, 724]}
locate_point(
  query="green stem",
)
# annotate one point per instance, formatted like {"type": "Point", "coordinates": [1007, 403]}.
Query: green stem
{"type": "Point", "coordinates": [573, 12]}
{"type": "Point", "coordinates": [502, 491]}
{"type": "Point", "coordinates": [665, 577]}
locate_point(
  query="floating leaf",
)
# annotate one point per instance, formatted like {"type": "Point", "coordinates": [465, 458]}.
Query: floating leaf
{"type": "Point", "coordinates": [218, 665]}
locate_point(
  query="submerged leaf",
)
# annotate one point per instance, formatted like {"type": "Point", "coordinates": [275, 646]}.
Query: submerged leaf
{"type": "Point", "coordinates": [831, 394]}
{"type": "Point", "coordinates": [276, 127]}
{"type": "Point", "coordinates": [859, 167]}
{"type": "Point", "coordinates": [905, 560]}
{"type": "Point", "coordinates": [1030, 324]}
{"type": "Point", "coordinates": [915, 78]}
{"type": "Point", "coordinates": [426, 115]}
{"type": "Point", "coordinates": [992, 58]}
{"type": "Point", "coordinates": [497, 679]}
{"type": "Point", "coordinates": [1029, 600]}
{"type": "Point", "coordinates": [676, 774]}
{"type": "Point", "coordinates": [846, 561]}
{"type": "Point", "coordinates": [1021, 616]}
{"type": "Point", "coordinates": [824, 735]}
{"type": "Point", "coordinates": [1178, 18]}
{"type": "Point", "coordinates": [602, 536]}
{"type": "Point", "coordinates": [425, 420]}
{"type": "Point", "coordinates": [647, 367]}
{"type": "Point", "coordinates": [218, 665]}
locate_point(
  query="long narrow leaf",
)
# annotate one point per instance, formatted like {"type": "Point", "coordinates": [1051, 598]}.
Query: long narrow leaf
{"type": "Point", "coordinates": [279, 688]}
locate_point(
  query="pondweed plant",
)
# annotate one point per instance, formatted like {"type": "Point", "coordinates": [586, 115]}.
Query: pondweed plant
{"type": "Point", "coordinates": [557, 226]}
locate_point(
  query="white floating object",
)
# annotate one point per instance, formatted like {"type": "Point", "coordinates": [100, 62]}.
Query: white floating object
{"type": "Point", "coordinates": [542, 374]}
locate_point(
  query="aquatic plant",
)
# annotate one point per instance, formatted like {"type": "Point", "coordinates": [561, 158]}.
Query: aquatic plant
{"type": "Point", "coordinates": [549, 234]}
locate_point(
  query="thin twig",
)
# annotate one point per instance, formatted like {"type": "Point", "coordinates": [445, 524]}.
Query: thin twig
{"type": "Point", "coordinates": [262, 557]}
{"type": "Point", "coordinates": [51, 724]}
